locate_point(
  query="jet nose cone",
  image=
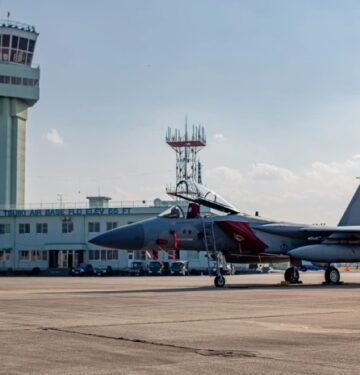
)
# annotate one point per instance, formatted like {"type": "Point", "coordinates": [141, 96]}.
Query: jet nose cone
{"type": "Point", "coordinates": [129, 237]}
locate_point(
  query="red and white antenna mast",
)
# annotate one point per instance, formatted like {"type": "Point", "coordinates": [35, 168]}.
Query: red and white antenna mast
{"type": "Point", "coordinates": [187, 146]}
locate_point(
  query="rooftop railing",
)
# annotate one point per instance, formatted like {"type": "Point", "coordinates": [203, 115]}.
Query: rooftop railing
{"type": "Point", "coordinates": [84, 205]}
{"type": "Point", "coordinates": [17, 25]}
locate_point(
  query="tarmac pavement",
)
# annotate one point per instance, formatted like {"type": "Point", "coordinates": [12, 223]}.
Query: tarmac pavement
{"type": "Point", "coordinates": [179, 325]}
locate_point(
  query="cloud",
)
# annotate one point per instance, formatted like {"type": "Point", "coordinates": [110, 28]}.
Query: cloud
{"type": "Point", "coordinates": [264, 171]}
{"type": "Point", "coordinates": [219, 137]}
{"type": "Point", "coordinates": [224, 174]}
{"type": "Point", "coordinates": [314, 193]}
{"type": "Point", "coordinates": [54, 137]}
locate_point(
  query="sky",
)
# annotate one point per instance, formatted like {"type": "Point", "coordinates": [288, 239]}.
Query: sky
{"type": "Point", "coordinates": [276, 84]}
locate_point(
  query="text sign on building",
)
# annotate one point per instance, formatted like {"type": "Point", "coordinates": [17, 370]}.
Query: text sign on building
{"type": "Point", "coordinates": [67, 212]}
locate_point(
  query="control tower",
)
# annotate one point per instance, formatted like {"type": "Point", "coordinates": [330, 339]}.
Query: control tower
{"type": "Point", "coordinates": [19, 90]}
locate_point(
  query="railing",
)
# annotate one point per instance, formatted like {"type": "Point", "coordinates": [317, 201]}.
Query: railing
{"type": "Point", "coordinates": [63, 205]}
{"type": "Point", "coordinates": [17, 25]}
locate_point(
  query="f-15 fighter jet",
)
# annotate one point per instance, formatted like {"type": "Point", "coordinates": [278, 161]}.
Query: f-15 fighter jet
{"type": "Point", "coordinates": [239, 237]}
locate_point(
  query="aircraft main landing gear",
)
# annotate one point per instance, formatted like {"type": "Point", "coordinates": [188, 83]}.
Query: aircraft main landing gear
{"type": "Point", "coordinates": [332, 275]}
{"type": "Point", "coordinates": [291, 275]}
{"type": "Point", "coordinates": [219, 281]}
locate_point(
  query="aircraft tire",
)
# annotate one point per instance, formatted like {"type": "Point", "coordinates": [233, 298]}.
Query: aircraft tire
{"type": "Point", "coordinates": [219, 281]}
{"type": "Point", "coordinates": [291, 275]}
{"type": "Point", "coordinates": [332, 275]}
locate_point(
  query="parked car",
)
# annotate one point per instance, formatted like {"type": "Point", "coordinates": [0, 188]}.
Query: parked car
{"type": "Point", "coordinates": [158, 268]}
{"type": "Point", "coordinates": [103, 271]}
{"type": "Point", "coordinates": [137, 268]}
{"type": "Point", "coordinates": [179, 268]}
{"type": "Point", "coordinates": [88, 270]}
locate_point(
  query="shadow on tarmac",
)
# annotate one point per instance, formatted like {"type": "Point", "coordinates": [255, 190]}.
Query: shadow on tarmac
{"type": "Point", "coordinates": [228, 287]}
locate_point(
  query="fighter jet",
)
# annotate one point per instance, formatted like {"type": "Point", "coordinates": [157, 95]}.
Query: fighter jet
{"type": "Point", "coordinates": [240, 238]}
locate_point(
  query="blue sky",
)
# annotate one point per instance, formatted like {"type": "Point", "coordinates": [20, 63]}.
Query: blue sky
{"type": "Point", "coordinates": [279, 80]}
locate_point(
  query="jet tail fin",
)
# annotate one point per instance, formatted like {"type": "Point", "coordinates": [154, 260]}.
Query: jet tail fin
{"type": "Point", "coordinates": [352, 213]}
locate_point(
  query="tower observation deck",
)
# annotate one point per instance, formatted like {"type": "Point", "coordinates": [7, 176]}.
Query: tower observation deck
{"type": "Point", "coordinates": [187, 147]}
{"type": "Point", "coordinates": [19, 90]}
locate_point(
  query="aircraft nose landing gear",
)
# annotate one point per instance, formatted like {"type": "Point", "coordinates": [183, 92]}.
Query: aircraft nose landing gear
{"type": "Point", "coordinates": [332, 275]}
{"type": "Point", "coordinates": [219, 281]}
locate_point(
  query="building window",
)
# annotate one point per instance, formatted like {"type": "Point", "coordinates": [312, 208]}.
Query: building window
{"type": "Point", "coordinates": [6, 40]}
{"type": "Point", "coordinates": [94, 227]}
{"type": "Point", "coordinates": [4, 228]}
{"type": "Point", "coordinates": [18, 57]}
{"type": "Point", "coordinates": [41, 228]}
{"type": "Point", "coordinates": [44, 255]}
{"type": "Point", "coordinates": [31, 45]}
{"type": "Point", "coordinates": [36, 255]}
{"type": "Point", "coordinates": [111, 225]}
{"type": "Point", "coordinates": [14, 42]}
{"type": "Point", "coordinates": [103, 254]}
{"type": "Point", "coordinates": [24, 255]}
{"type": "Point", "coordinates": [67, 226]}
{"type": "Point", "coordinates": [23, 44]}
{"type": "Point", "coordinates": [24, 228]}
{"type": "Point", "coordinates": [139, 255]}
{"type": "Point", "coordinates": [5, 254]}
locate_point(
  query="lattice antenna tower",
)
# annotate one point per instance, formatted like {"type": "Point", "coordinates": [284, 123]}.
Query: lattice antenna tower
{"type": "Point", "coordinates": [187, 147]}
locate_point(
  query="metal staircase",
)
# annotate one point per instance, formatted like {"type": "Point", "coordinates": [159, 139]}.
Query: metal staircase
{"type": "Point", "coordinates": [210, 244]}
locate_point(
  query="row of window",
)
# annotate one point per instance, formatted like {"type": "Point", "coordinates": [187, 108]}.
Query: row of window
{"type": "Point", "coordinates": [19, 81]}
{"type": "Point", "coordinates": [34, 255]}
{"type": "Point", "coordinates": [16, 49]}
{"type": "Point", "coordinates": [16, 42]}
{"type": "Point", "coordinates": [42, 255]}
{"type": "Point", "coordinates": [103, 254]}
{"type": "Point", "coordinates": [67, 227]}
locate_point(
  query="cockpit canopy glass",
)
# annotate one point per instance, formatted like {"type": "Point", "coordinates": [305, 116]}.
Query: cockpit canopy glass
{"type": "Point", "coordinates": [195, 191]}
{"type": "Point", "coordinates": [174, 212]}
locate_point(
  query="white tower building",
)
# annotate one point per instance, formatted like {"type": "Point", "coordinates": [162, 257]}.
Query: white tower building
{"type": "Point", "coordinates": [19, 90]}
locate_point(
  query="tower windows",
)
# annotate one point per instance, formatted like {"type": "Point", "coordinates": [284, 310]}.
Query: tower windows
{"type": "Point", "coordinates": [31, 45]}
{"type": "Point", "coordinates": [19, 81]}
{"type": "Point", "coordinates": [23, 44]}
{"type": "Point", "coordinates": [5, 40]}
{"type": "Point", "coordinates": [21, 51]}
{"type": "Point", "coordinates": [14, 42]}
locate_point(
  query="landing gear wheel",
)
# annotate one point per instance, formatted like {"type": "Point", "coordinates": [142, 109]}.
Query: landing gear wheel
{"type": "Point", "coordinates": [292, 275]}
{"type": "Point", "coordinates": [219, 281]}
{"type": "Point", "coordinates": [332, 275]}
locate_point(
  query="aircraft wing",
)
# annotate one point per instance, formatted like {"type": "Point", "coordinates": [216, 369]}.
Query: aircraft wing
{"type": "Point", "coordinates": [303, 232]}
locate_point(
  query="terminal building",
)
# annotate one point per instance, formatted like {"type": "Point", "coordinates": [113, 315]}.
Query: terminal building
{"type": "Point", "coordinates": [56, 239]}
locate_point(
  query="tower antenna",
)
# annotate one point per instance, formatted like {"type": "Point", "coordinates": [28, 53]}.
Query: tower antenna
{"type": "Point", "coordinates": [187, 148]}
